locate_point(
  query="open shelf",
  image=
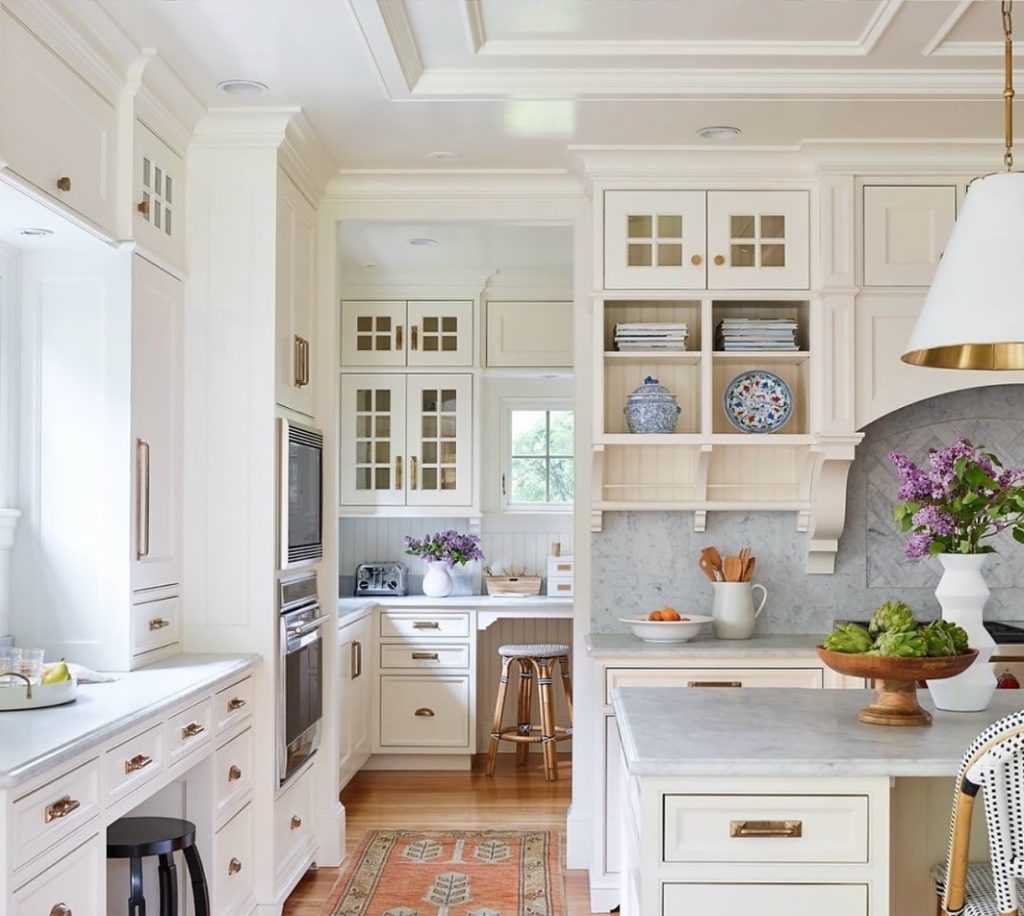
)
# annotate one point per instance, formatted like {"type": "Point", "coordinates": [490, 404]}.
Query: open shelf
{"type": "Point", "coordinates": [762, 356]}
{"type": "Point", "coordinates": [668, 356]}
{"type": "Point", "coordinates": [650, 439]}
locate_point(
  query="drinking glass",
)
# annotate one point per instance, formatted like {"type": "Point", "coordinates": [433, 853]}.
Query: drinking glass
{"type": "Point", "coordinates": [32, 664]}
{"type": "Point", "coordinates": [5, 662]}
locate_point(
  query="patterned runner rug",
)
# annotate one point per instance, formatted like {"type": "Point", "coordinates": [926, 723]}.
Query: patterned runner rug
{"type": "Point", "coordinates": [452, 873]}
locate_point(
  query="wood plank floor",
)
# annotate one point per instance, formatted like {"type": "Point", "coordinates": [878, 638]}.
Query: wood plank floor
{"type": "Point", "coordinates": [513, 799]}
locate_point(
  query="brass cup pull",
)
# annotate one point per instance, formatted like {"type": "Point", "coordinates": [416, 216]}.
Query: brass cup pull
{"type": "Point", "coordinates": [425, 712]}
{"type": "Point", "coordinates": [62, 807]}
{"type": "Point", "coordinates": [138, 762]}
{"type": "Point", "coordinates": [234, 866]}
{"type": "Point", "coordinates": [234, 773]}
{"type": "Point", "coordinates": [696, 260]}
{"type": "Point", "coordinates": [426, 625]}
{"type": "Point", "coordinates": [235, 703]}
{"type": "Point", "coordinates": [64, 183]}
{"type": "Point", "coordinates": [60, 909]}
{"type": "Point", "coordinates": [191, 730]}
{"type": "Point", "coordinates": [714, 683]}
{"type": "Point", "coordinates": [787, 830]}
{"type": "Point", "coordinates": [158, 623]}
{"type": "Point", "coordinates": [296, 822]}
{"type": "Point", "coordinates": [425, 657]}
{"type": "Point", "coordinates": [143, 208]}
{"type": "Point", "coordinates": [719, 259]}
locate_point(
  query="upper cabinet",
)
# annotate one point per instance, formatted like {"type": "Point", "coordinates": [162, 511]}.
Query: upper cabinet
{"type": "Point", "coordinates": [56, 130]}
{"type": "Point", "coordinates": [513, 339]}
{"type": "Point", "coordinates": [706, 240]}
{"type": "Point", "coordinates": [905, 231]}
{"type": "Point", "coordinates": [296, 296]}
{"type": "Point", "coordinates": [419, 333]}
{"type": "Point", "coordinates": [158, 181]}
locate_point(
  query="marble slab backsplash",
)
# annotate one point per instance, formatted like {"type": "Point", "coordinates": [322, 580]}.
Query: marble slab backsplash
{"type": "Point", "coordinates": [643, 560]}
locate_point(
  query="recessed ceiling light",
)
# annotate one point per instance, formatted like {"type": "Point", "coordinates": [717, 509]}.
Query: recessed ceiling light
{"type": "Point", "coordinates": [422, 241]}
{"type": "Point", "coordinates": [442, 155]}
{"type": "Point", "coordinates": [245, 89]}
{"type": "Point", "coordinates": [35, 232]}
{"type": "Point", "coordinates": [719, 132]}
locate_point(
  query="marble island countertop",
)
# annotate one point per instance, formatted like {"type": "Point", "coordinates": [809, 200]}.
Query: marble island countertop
{"type": "Point", "coordinates": [674, 731]}
{"type": "Point", "coordinates": [35, 740]}
{"type": "Point", "coordinates": [619, 645]}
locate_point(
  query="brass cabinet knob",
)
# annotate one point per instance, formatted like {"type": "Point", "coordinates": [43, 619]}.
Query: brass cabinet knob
{"type": "Point", "coordinates": [60, 909]}
{"type": "Point", "coordinates": [143, 208]}
{"type": "Point", "coordinates": [719, 259]}
{"type": "Point", "coordinates": [64, 183]}
{"type": "Point", "coordinates": [696, 260]}
{"type": "Point", "coordinates": [296, 822]}
{"type": "Point", "coordinates": [234, 773]}
{"type": "Point", "coordinates": [234, 866]}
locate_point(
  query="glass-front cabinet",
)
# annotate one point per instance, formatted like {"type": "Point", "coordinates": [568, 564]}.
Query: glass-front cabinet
{"type": "Point", "coordinates": [415, 333]}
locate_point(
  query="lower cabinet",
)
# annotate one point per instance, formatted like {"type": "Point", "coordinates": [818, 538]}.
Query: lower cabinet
{"type": "Point", "coordinates": [765, 899]}
{"type": "Point", "coordinates": [76, 884]}
{"type": "Point", "coordinates": [355, 704]}
{"type": "Point", "coordinates": [232, 871]}
{"type": "Point", "coordinates": [428, 711]}
{"type": "Point", "coordinates": [294, 837]}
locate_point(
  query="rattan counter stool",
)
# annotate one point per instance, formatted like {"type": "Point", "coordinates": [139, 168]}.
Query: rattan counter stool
{"type": "Point", "coordinates": [537, 660]}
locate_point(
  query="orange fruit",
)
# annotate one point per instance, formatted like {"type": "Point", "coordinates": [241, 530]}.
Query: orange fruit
{"type": "Point", "coordinates": [655, 615]}
{"type": "Point", "coordinates": [669, 613]}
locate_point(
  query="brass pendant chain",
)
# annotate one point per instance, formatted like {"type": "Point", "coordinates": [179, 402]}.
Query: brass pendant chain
{"type": "Point", "coordinates": [1008, 90]}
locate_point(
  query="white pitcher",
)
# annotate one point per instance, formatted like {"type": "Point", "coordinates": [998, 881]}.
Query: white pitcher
{"type": "Point", "coordinates": [733, 614]}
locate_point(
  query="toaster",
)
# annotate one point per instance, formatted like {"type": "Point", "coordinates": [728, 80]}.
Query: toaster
{"type": "Point", "coordinates": [386, 577]}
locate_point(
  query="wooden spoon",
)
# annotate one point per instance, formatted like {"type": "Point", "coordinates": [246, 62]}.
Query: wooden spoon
{"type": "Point", "coordinates": [748, 569]}
{"type": "Point", "coordinates": [715, 557]}
{"type": "Point", "coordinates": [733, 567]}
{"type": "Point", "coordinates": [709, 570]}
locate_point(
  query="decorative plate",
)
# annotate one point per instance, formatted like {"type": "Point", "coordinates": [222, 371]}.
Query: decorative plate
{"type": "Point", "coordinates": [758, 401]}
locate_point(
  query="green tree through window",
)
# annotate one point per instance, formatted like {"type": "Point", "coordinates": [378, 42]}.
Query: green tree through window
{"type": "Point", "coordinates": [541, 468]}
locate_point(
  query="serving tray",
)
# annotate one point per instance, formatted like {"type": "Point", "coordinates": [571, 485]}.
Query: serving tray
{"type": "Point", "coordinates": [16, 695]}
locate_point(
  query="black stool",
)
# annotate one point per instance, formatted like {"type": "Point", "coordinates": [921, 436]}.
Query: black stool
{"type": "Point", "coordinates": [135, 837]}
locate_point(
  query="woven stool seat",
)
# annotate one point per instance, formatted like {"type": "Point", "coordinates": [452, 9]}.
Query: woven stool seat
{"type": "Point", "coordinates": [538, 650]}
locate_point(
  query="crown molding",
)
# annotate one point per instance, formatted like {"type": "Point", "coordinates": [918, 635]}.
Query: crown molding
{"type": "Point", "coordinates": [162, 101]}
{"type": "Point", "coordinates": [392, 45]}
{"type": "Point", "coordinates": [460, 184]}
{"type": "Point", "coordinates": [243, 128]}
{"type": "Point", "coordinates": [381, 283]}
{"type": "Point", "coordinates": [305, 158]}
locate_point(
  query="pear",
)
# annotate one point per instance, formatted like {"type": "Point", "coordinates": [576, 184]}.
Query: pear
{"type": "Point", "coordinates": [54, 674]}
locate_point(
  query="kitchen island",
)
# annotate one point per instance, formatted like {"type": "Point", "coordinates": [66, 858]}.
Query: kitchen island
{"type": "Point", "coordinates": [775, 800]}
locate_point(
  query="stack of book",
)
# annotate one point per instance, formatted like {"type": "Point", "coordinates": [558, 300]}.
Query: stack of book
{"type": "Point", "coordinates": [650, 335]}
{"type": "Point", "coordinates": [756, 334]}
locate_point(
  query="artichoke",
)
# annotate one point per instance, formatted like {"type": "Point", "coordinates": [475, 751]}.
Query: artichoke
{"type": "Point", "coordinates": [900, 644]}
{"type": "Point", "coordinates": [938, 641]}
{"type": "Point", "coordinates": [892, 617]}
{"type": "Point", "coordinates": [956, 633]}
{"type": "Point", "coordinates": [848, 637]}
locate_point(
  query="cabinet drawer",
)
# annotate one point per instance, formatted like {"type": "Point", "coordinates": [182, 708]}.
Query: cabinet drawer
{"type": "Point", "coordinates": [53, 811]}
{"type": "Point", "coordinates": [424, 624]}
{"type": "Point", "coordinates": [766, 828]}
{"type": "Point", "coordinates": [765, 899]}
{"type": "Point", "coordinates": [133, 763]}
{"type": "Point", "coordinates": [155, 624]}
{"type": "Point", "coordinates": [561, 567]}
{"type": "Point", "coordinates": [189, 729]}
{"type": "Point", "coordinates": [561, 587]}
{"type": "Point", "coordinates": [293, 820]}
{"type": "Point", "coordinates": [232, 768]}
{"type": "Point", "coordinates": [233, 704]}
{"type": "Point", "coordinates": [424, 711]}
{"type": "Point", "coordinates": [711, 677]}
{"type": "Point", "coordinates": [233, 863]}
{"type": "Point", "coordinates": [430, 656]}
{"type": "Point", "coordinates": [75, 884]}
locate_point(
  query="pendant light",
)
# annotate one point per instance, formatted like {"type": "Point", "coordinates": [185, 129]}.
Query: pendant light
{"type": "Point", "coordinates": [973, 315]}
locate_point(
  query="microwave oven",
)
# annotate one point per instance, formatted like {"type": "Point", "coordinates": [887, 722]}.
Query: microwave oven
{"type": "Point", "coordinates": [300, 505]}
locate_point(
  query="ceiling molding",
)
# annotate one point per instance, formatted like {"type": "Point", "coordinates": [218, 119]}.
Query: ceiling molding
{"type": "Point", "coordinates": [392, 45]}
{"type": "Point", "coordinates": [473, 21]}
{"type": "Point", "coordinates": [305, 158]}
{"type": "Point", "coordinates": [935, 43]}
{"type": "Point", "coordinates": [162, 101]}
{"type": "Point", "coordinates": [385, 184]}
{"type": "Point", "coordinates": [243, 128]}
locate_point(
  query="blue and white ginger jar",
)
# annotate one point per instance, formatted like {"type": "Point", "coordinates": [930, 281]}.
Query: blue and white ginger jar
{"type": "Point", "coordinates": [651, 408]}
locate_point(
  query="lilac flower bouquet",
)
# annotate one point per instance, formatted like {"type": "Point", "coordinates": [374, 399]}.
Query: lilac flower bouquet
{"type": "Point", "coordinates": [448, 547]}
{"type": "Point", "coordinates": [964, 496]}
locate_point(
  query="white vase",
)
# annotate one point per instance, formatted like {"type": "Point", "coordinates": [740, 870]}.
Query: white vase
{"type": "Point", "coordinates": [962, 592]}
{"type": "Point", "coordinates": [437, 583]}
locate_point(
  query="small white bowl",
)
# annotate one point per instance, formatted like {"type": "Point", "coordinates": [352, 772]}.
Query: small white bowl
{"type": "Point", "coordinates": [666, 630]}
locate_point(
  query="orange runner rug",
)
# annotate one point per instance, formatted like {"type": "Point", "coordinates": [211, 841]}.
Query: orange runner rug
{"type": "Point", "coordinates": [452, 873]}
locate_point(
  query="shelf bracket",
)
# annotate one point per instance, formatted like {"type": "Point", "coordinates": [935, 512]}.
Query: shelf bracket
{"type": "Point", "coordinates": [700, 520]}
{"type": "Point", "coordinates": [828, 501]}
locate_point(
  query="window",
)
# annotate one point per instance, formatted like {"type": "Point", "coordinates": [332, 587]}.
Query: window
{"type": "Point", "coordinates": [538, 470]}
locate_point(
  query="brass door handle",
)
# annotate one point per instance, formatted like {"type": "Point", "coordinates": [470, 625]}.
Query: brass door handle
{"type": "Point", "coordinates": [64, 183]}
{"type": "Point", "coordinates": [719, 259]}
{"type": "Point", "coordinates": [425, 712]}
{"type": "Point", "coordinates": [234, 866]}
{"type": "Point", "coordinates": [296, 822]}
{"type": "Point", "coordinates": [191, 730]}
{"type": "Point", "coordinates": [398, 472]}
{"type": "Point", "coordinates": [158, 623]}
{"type": "Point", "coordinates": [761, 829]}
{"type": "Point", "coordinates": [398, 337]}
{"type": "Point", "coordinates": [714, 683]}
{"type": "Point", "coordinates": [62, 807]}
{"type": "Point", "coordinates": [60, 909]}
{"type": "Point", "coordinates": [415, 335]}
{"type": "Point", "coordinates": [413, 475]}
{"type": "Point", "coordinates": [235, 703]}
{"type": "Point", "coordinates": [297, 372]}
{"type": "Point", "coordinates": [357, 659]}
{"type": "Point", "coordinates": [234, 773]}
{"type": "Point", "coordinates": [425, 657]}
{"type": "Point", "coordinates": [138, 762]}
{"type": "Point", "coordinates": [426, 625]}
{"type": "Point", "coordinates": [141, 499]}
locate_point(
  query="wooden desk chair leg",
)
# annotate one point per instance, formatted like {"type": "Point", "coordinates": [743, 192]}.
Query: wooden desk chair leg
{"type": "Point", "coordinates": [563, 667]}
{"type": "Point", "coordinates": [526, 667]}
{"type": "Point", "coordinates": [167, 877]}
{"type": "Point", "coordinates": [136, 898]}
{"type": "Point", "coordinates": [499, 712]}
{"type": "Point", "coordinates": [200, 892]}
{"type": "Point", "coordinates": [547, 718]}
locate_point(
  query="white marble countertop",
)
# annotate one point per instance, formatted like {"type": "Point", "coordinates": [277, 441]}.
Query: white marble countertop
{"type": "Point", "coordinates": [624, 645]}
{"type": "Point", "coordinates": [35, 740]}
{"type": "Point", "coordinates": [674, 731]}
{"type": "Point", "coordinates": [350, 606]}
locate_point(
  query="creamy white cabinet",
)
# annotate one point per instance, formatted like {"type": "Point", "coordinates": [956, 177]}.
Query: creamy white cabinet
{"type": "Point", "coordinates": [406, 440]}
{"type": "Point", "coordinates": [74, 886]}
{"type": "Point", "coordinates": [56, 131]}
{"type": "Point", "coordinates": [294, 834]}
{"type": "Point", "coordinates": [414, 333]}
{"type": "Point", "coordinates": [355, 698]}
{"type": "Point", "coordinates": [158, 211]}
{"type": "Point", "coordinates": [529, 333]}
{"type": "Point", "coordinates": [905, 231]}
{"type": "Point", "coordinates": [296, 296]}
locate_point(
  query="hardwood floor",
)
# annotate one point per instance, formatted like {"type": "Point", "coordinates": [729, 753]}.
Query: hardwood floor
{"type": "Point", "coordinates": [514, 798]}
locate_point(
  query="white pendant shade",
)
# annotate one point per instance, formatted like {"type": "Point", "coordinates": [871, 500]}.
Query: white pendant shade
{"type": "Point", "coordinates": [973, 316]}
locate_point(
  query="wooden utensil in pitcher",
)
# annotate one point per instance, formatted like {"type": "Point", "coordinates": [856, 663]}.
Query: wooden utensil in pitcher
{"type": "Point", "coordinates": [733, 569]}
{"type": "Point", "coordinates": [748, 569]}
{"type": "Point", "coordinates": [708, 569]}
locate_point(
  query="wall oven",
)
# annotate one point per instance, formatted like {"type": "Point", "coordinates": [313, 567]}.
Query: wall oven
{"type": "Point", "coordinates": [300, 689]}
{"type": "Point", "coordinates": [300, 506]}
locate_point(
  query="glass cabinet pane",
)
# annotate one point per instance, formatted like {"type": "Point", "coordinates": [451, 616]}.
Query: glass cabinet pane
{"type": "Point", "coordinates": [639, 227]}
{"type": "Point", "coordinates": [438, 440]}
{"type": "Point", "coordinates": [741, 227]}
{"type": "Point", "coordinates": [670, 226]}
{"type": "Point", "coordinates": [773, 227]}
{"type": "Point", "coordinates": [373, 430]}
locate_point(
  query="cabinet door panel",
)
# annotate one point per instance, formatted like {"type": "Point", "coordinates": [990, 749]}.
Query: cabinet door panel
{"type": "Point", "coordinates": [372, 437]}
{"type": "Point", "coordinates": [764, 899]}
{"type": "Point", "coordinates": [529, 333]}
{"type": "Point", "coordinates": [373, 333]}
{"type": "Point", "coordinates": [360, 724]}
{"type": "Point", "coordinates": [157, 326]}
{"type": "Point", "coordinates": [158, 204]}
{"type": "Point", "coordinates": [75, 884]}
{"type": "Point", "coordinates": [905, 230]}
{"type": "Point", "coordinates": [440, 333]}
{"type": "Point", "coordinates": [439, 440]}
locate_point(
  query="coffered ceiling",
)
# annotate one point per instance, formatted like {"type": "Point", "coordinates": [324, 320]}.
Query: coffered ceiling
{"type": "Point", "coordinates": [513, 84]}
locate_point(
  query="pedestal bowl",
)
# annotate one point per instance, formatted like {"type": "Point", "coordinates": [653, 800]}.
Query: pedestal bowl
{"type": "Point", "coordinates": [895, 699]}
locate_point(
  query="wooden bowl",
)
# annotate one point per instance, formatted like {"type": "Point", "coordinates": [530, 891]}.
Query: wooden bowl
{"type": "Point", "coordinates": [895, 700]}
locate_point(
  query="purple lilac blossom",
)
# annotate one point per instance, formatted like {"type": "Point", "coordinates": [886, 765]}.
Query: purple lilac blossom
{"type": "Point", "coordinates": [917, 545]}
{"type": "Point", "coordinates": [449, 546]}
{"type": "Point", "coordinates": [936, 521]}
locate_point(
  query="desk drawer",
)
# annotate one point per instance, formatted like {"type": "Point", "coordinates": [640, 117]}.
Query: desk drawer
{"type": "Point", "coordinates": [133, 763]}
{"type": "Point", "coordinates": [71, 885]}
{"type": "Point", "coordinates": [561, 567]}
{"type": "Point", "coordinates": [155, 624]}
{"type": "Point", "coordinates": [424, 624]}
{"type": "Point", "coordinates": [711, 677]}
{"type": "Point", "coordinates": [232, 768]}
{"type": "Point", "coordinates": [53, 811]}
{"type": "Point", "coordinates": [561, 587]}
{"type": "Point", "coordinates": [428, 656]}
{"type": "Point", "coordinates": [766, 828]}
{"type": "Point", "coordinates": [424, 711]}
{"type": "Point", "coordinates": [189, 729]}
{"type": "Point", "coordinates": [233, 862]}
{"type": "Point", "coordinates": [764, 899]}
{"type": "Point", "coordinates": [232, 704]}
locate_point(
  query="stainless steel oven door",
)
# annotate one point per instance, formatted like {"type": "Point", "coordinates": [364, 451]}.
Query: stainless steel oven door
{"type": "Point", "coordinates": [301, 701]}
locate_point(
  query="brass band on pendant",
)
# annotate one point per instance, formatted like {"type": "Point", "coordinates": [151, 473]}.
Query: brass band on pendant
{"type": "Point", "coordinates": [1005, 355]}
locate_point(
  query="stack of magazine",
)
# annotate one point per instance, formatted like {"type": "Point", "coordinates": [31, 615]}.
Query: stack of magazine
{"type": "Point", "coordinates": [650, 335]}
{"type": "Point", "coordinates": [756, 334]}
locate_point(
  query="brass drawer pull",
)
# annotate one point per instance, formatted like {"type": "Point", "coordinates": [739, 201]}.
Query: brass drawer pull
{"type": "Point", "coordinates": [138, 762]}
{"type": "Point", "coordinates": [64, 183]}
{"type": "Point", "coordinates": [415, 334]}
{"type": "Point", "coordinates": [788, 830]}
{"type": "Point", "coordinates": [426, 625]}
{"type": "Point", "coordinates": [191, 730]}
{"type": "Point", "coordinates": [425, 657]}
{"type": "Point", "coordinates": [296, 822]}
{"type": "Point", "coordinates": [234, 773]}
{"type": "Point", "coordinates": [398, 337]}
{"type": "Point", "coordinates": [62, 807]}
{"type": "Point", "coordinates": [424, 711]}
{"type": "Point", "coordinates": [158, 623]}
{"type": "Point", "coordinates": [60, 909]}
{"type": "Point", "coordinates": [234, 866]}
{"type": "Point", "coordinates": [235, 703]}
{"type": "Point", "coordinates": [714, 683]}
